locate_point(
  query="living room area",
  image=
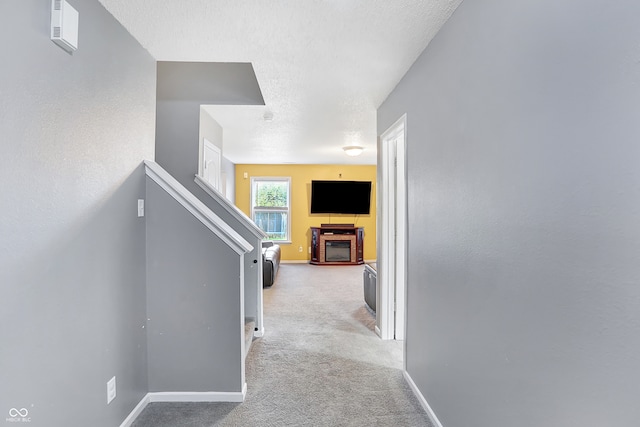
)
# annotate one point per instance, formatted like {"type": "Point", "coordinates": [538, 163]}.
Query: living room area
{"type": "Point", "coordinates": [290, 224]}
{"type": "Point", "coordinates": [295, 204]}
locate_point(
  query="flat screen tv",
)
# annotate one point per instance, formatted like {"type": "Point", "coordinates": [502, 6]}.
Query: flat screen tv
{"type": "Point", "coordinates": [340, 197]}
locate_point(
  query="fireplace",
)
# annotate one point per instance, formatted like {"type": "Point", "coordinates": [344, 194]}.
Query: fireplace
{"type": "Point", "coordinates": [337, 251]}
{"type": "Point", "coordinates": [337, 244]}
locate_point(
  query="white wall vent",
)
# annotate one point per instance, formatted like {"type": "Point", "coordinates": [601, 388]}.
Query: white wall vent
{"type": "Point", "coordinates": [64, 25]}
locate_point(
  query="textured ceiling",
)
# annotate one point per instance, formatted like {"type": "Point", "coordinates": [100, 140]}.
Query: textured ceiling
{"type": "Point", "coordinates": [323, 66]}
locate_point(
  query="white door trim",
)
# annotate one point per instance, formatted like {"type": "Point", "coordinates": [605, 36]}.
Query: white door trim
{"type": "Point", "coordinates": [401, 232]}
{"type": "Point", "coordinates": [386, 253]}
{"type": "Point", "coordinates": [392, 225]}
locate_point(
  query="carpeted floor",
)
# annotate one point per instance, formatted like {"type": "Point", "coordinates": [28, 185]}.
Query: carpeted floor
{"type": "Point", "coordinates": [319, 363]}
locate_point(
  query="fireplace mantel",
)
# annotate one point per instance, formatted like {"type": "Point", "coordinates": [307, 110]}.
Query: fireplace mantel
{"type": "Point", "coordinates": [337, 234]}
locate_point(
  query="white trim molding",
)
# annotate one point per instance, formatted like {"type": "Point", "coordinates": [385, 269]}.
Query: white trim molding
{"type": "Point", "coordinates": [183, 396]}
{"type": "Point", "coordinates": [209, 396]}
{"type": "Point", "coordinates": [128, 422]}
{"type": "Point", "coordinates": [392, 231]}
{"type": "Point", "coordinates": [231, 208]}
{"type": "Point", "coordinates": [197, 208]}
{"type": "Point", "coordinates": [425, 405]}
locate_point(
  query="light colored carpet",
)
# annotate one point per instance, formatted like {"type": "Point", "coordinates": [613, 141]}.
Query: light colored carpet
{"type": "Point", "coordinates": [319, 363]}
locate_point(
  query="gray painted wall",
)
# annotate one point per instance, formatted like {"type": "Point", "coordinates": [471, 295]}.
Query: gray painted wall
{"type": "Point", "coordinates": [211, 130]}
{"type": "Point", "coordinates": [73, 131]}
{"type": "Point", "coordinates": [192, 275]}
{"type": "Point", "coordinates": [229, 169]}
{"type": "Point", "coordinates": [182, 88]}
{"type": "Point", "coordinates": [177, 152]}
{"type": "Point", "coordinates": [178, 135]}
{"type": "Point", "coordinates": [219, 83]}
{"type": "Point", "coordinates": [252, 270]}
{"type": "Point", "coordinates": [178, 139]}
{"type": "Point", "coordinates": [524, 195]}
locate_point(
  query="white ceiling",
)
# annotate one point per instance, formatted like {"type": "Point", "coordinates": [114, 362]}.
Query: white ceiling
{"type": "Point", "coordinates": [324, 66]}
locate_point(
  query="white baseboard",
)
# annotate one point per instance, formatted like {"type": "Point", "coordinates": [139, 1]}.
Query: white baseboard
{"type": "Point", "coordinates": [377, 330]}
{"type": "Point", "coordinates": [136, 412]}
{"type": "Point", "coordinates": [183, 396]}
{"type": "Point", "coordinates": [208, 396]}
{"type": "Point", "coordinates": [432, 415]}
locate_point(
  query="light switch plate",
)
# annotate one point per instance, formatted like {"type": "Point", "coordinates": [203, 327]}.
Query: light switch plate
{"type": "Point", "coordinates": [111, 390]}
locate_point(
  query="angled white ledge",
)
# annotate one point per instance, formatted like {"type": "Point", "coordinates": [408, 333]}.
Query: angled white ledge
{"type": "Point", "coordinates": [231, 208]}
{"type": "Point", "coordinates": [197, 208]}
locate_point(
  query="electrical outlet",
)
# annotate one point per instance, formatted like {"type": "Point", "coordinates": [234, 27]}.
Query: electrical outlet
{"type": "Point", "coordinates": [111, 390]}
{"type": "Point", "coordinates": [300, 249]}
{"type": "Point", "coordinates": [309, 249]}
{"type": "Point", "coordinates": [140, 208]}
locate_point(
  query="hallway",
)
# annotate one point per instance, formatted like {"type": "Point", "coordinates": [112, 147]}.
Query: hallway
{"type": "Point", "coordinates": [319, 363]}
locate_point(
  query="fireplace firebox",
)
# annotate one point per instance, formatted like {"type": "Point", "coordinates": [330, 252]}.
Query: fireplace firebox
{"type": "Point", "coordinates": [337, 250]}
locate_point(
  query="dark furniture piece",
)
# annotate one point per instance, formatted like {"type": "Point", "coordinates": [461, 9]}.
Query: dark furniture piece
{"type": "Point", "coordinates": [370, 276]}
{"type": "Point", "coordinates": [337, 244]}
{"type": "Point", "coordinates": [270, 262]}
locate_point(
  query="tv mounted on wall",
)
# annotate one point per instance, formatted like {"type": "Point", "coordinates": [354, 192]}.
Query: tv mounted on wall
{"type": "Point", "coordinates": [340, 197]}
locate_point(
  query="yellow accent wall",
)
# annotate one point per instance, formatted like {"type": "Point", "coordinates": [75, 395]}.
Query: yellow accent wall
{"type": "Point", "coordinates": [301, 219]}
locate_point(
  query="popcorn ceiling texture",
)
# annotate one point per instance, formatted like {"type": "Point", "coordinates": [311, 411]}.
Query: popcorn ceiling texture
{"type": "Point", "coordinates": [323, 66]}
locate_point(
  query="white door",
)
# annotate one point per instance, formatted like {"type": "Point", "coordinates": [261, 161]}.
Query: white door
{"type": "Point", "coordinates": [211, 160]}
{"type": "Point", "coordinates": [392, 249]}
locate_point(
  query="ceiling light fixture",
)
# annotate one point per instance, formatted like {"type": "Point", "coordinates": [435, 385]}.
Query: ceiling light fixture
{"type": "Point", "coordinates": [268, 116]}
{"type": "Point", "coordinates": [353, 150]}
